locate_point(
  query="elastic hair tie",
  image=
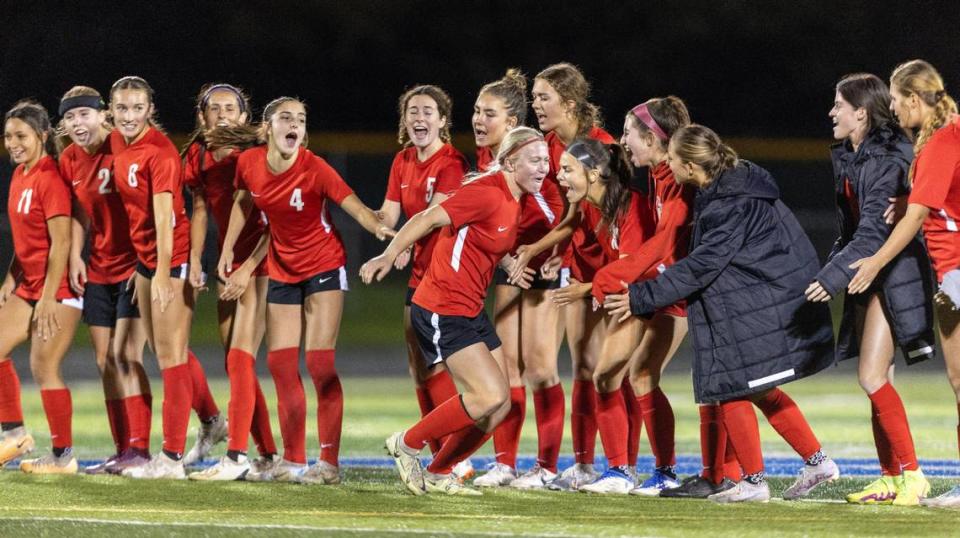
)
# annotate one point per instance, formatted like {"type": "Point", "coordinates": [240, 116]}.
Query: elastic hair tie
{"type": "Point", "coordinates": [642, 112]}
{"type": "Point", "coordinates": [79, 101]}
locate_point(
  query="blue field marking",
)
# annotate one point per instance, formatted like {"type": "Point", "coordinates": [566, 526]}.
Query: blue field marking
{"type": "Point", "coordinates": [686, 465]}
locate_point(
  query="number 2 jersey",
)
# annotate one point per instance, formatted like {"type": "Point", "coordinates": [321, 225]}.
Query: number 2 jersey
{"type": "Point", "coordinates": [35, 197]}
{"type": "Point", "coordinates": [303, 240]}
{"type": "Point", "coordinates": [143, 169]}
{"type": "Point", "coordinates": [413, 184]}
{"type": "Point", "coordinates": [91, 176]}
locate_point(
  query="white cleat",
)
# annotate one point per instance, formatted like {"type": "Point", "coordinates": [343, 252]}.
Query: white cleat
{"type": "Point", "coordinates": [321, 473]}
{"type": "Point", "coordinates": [224, 470]}
{"type": "Point", "coordinates": [283, 471]}
{"type": "Point", "coordinates": [574, 477]}
{"type": "Point", "coordinates": [160, 467]}
{"type": "Point", "coordinates": [498, 475]}
{"type": "Point", "coordinates": [208, 435]}
{"type": "Point", "coordinates": [950, 499]}
{"type": "Point", "coordinates": [535, 478]}
{"type": "Point", "coordinates": [810, 477]}
{"type": "Point", "coordinates": [264, 463]}
{"type": "Point", "coordinates": [612, 482]}
{"type": "Point", "coordinates": [464, 470]}
{"type": "Point", "coordinates": [744, 491]}
{"type": "Point", "coordinates": [447, 484]}
{"type": "Point", "coordinates": [408, 465]}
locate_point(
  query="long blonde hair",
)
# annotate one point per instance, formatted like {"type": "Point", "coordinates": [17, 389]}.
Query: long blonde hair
{"type": "Point", "coordinates": [922, 79]}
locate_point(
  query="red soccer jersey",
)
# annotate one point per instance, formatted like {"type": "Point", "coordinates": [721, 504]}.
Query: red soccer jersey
{"type": "Point", "coordinates": [936, 184]}
{"type": "Point", "coordinates": [303, 240]}
{"type": "Point", "coordinates": [589, 253]}
{"type": "Point", "coordinates": [484, 216]}
{"type": "Point", "coordinates": [112, 257]}
{"type": "Point", "coordinates": [147, 167]}
{"type": "Point", "coordinates": [413, 183]}
{"type": "Point", "coordinates": [630, 231]}
{"type": "Point", "coordinates": [672, 210]}
{"type": "Point", "coordinates": [34, 198]}
{"type": "Point", "coordinates": [484, 158]}
{"type": "Point", "coordinates": [215, 180]}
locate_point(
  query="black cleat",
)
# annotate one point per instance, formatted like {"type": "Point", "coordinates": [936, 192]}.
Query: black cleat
{"type": "Point", "coordinates": [696, 487]}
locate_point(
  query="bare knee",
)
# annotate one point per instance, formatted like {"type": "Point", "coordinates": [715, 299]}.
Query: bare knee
{"type": "Point", "coordinates": [46, 375]}
{"type": "Point", "coordinates": [644, 380]}
{"type": "Point", "coordinates": [607, 380]}
{"type": "Point", "coordinates": [541, 372]}
{"type": "Point", "coordinates": [871, 382]}
{"type": "Point", "coordinates": [483, 404]}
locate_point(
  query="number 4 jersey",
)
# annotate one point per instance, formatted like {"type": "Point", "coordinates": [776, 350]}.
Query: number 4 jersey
{"type": "Point", "coordinates": [303, 240]}
{"type": "Point", "coordinates": [36, 197]}
{"type": "Point", "coordinates": [142, 169]}
{"type": "Point", "coordinates": [112, 258]}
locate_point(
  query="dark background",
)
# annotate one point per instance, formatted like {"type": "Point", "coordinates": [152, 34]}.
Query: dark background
{"type": "Point", "coordinates": [753, 71]}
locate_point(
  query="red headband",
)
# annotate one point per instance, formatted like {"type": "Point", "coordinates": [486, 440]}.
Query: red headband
{"type": "Point", "coordinates": [643, 114]}
{"type": "Point", "coordinates": [520, 146]}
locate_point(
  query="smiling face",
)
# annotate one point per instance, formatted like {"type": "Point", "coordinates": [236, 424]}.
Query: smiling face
{"type": "Point", "coordinates": [423, 121]}
{"type": "Point", "coordinates": [641, 144]}
{"type": "Point", "coordinates": [490, 121]}
{"type": "Point", "coordinates": [846, 118]}
{"type": "Point", "coordinates": [905, 108]}
{"type": "Point", "coordinates": [288, 127]}
{"type": "Point", "coordinates": [223, 109]}
{"type": "Point", "coordinates": [23, 144]}
{"type": "Point", "coordinates": [548, 106]}
{"type": "Point", "coordinates": [530, 165]}
{"type": "Point", "coordinates": [84, 126]}
{"type": "Point", "coordinates": [573, 177]}
{"type": "Point", "coordinates": [131, 110]}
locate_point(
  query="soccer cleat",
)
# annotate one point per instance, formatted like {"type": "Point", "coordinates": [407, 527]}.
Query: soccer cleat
{"type": "Point", "coordinates": [881, 491]}
{"type": "Point", "coordinates": [535, 478]}
{"type": "Point", "coordinates": [914, 487]}
{"type": "Point", "coordinates": [209, 434]}
{"type": "Point", "coordinates": [282, 471]}
{"type": "Point", "coordinates": [161, 466]}
{"type": "Point", "coordinates": [321, 473]}
{"type": "Point", "coordinates": [131, 457]}
{"type": "Point", "coordinates": [263, 463]}
{"type": "Point", "coordinates": [15, 443]}
{"type": "Point", "coordinates": [612, 482]}
{"type": "Point", "coordinates": [950, 499]}
{"type": "Point", "coordinates": [447, 484]}
{"type": "Point", "coordinates": [573, 477]}
{"type": "Point", "coordinates": [224, 470]}
{"type": "Point", "coordinates": [658, 481]}
{"type": "Point", "coordinates": [810, 477]}
{"type": "Point", "coordinates": [408, 465]}
{"type": "Point", "coordinates": [464, 471]}
{"type": "Point", "coordinates": [695, 487]}
{"type": "Point", "coordinates": [50, 464]}
{"type": "Point", "coordinates": [497, 475]}
{"type": "Point", "coordinates": [101, 468]}
{"type": "Point", "coordinates": [743, 491]}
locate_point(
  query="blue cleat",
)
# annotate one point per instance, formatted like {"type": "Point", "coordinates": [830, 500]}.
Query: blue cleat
{"type": "Point", "coordinates": [660, 480]}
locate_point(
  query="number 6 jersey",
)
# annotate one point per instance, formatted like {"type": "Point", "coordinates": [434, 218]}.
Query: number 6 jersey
{"type": "Point", "coordinates": [303, 240]}
{"type": "Point", "coordinates": [142, 169]}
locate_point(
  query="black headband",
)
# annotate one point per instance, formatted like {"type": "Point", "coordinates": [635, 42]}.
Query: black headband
{"type": "Point", "coordinates": [578, 150]}
{"type": "Point", "coordinates": [89, 101]}
{"type": "Point", "coordinates": [230, 88]}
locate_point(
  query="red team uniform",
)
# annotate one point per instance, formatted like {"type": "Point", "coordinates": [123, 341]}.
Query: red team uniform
{"type": "Point", "coordinates": [936, 185]}
{"type": "Point", "coordinates": [144, 168]}
{"type": "Point", "coordinates": [412, 184]}
{"type": "Point", "coordinates": [35, 197]}
{"type": "Point", "coordinates": [306, 256]}
{"type": "Point", "coordinates": [215, 180]}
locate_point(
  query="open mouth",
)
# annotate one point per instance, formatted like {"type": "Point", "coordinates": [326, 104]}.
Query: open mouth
{"type": "Point", "coordinates": [291, 139]}
{"type": "Point", "coordinates": [420, 132]}
{"type": "Point", "coordinates": [17, 154]}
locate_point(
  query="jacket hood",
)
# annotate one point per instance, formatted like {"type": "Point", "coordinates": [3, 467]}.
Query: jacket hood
{"type": "Point", "coordinates": [881, 141]}
{"type": "Point", "coordinates": [746, 180]}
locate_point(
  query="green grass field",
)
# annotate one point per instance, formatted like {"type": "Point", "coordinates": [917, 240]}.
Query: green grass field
{"type": "Point", "coordinates": [371, 501]}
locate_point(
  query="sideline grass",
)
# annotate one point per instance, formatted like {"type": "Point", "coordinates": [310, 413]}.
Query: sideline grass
{"type": "Point", "coordinates": [372, 503]}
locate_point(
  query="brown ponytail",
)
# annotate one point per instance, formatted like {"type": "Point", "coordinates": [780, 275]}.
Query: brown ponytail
{"type": "Point", "coordinates": [198, 134]}
{"type": "Point", "coordinates": [512, 88]}
{"type": "Point", "coordinates": [571, 85]}
{"type": "Point", "coordinates": [701, 146]}
{"type": "Point", "coordinates": [248, 135]}
{"type": "Point", "coordinates": [615, 170]}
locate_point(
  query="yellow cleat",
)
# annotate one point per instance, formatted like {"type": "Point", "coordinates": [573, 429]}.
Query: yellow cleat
{"type": "Point", "coordinates": [915, 486]}
{"type": "Point", "coordinates": [881, 491]}
{"type": "Point", "coordinates": [50, 464]}
{"type": "Point", "coordinates": [14, 445]}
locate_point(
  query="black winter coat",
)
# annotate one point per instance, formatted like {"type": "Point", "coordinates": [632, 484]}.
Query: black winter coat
{"type": "Point", "coordinates": [876, 172]}
{"type": "Point", "coordinates": [744, 281]}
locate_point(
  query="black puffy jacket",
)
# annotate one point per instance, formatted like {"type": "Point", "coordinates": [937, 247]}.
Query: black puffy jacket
{"type": "Point", "coordinates": [744, 280]}
{"type": "Point", "coordinates": [876, 171]}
